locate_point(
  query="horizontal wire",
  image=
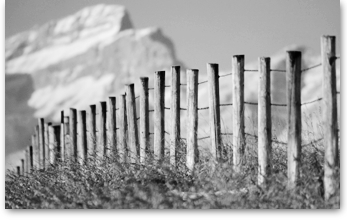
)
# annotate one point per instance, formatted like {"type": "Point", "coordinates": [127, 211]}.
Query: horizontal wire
{"type": "Point", "coordinates": [310, 102]}
{"type": "Point", "coordinates": [250, 103]}
{"type": "Point", "coordinates": [167, 108]}
{"type": "Point", "coordinates": [226, 75]}
{"type": "Point", "coordinates": [183, 84]}
{"type": "Point", "coordinates": [309, 68]}
{"type": "Point", "coordinates": [279, 105]}
{"type": "Point", "coordinates": [150, 88]}
{"type": "Point", "coordinates": [183, 109]}
{"type": "Point", "coordinates": [206, 137]}
{"type": "Point", "coordinates": [204, 108]}
{"type": "Point", "coordinates": [225, 104]}
{"type": "Point", "coordinates": [310, 143]}
{"type": "Point", "coordinates": [202, 82]}
{"type": "Point", "coordinates": [278, 142]}
{"type": "Point", "coordinates": [137, 97]}
{"type": "Point", "coordinates": [226, 133]}
{"type": "Point", "coordinates": [167, 86]}
{"type": "Point", "coordinates": [276, 70]}
{"type": "Point", "coordinates": [151, 110]}
{"type": "Point", "coordinates": [250, 70]}
{"type": "Point", "coordinates": [166, 132]}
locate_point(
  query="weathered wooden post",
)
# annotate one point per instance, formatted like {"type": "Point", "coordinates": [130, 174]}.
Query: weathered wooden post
{"type": "Point", "coordinates": [238, 112]}
{"type": "Point", "coordinates": [73, 134]}
{"type": "Point", "coordinates": [18, 170]}
{"type": "Point", "coordinates": [27, 160]}
{"type": "Point", "coordinates": [37, 151]}
{"type": "Point", "coordinates": [144, 119]}
{"type": "Point", "coordinates": [214, 110]}
{"type": "Point", "coordinates": [112, 128]}
{"type": "Point", "coordinates": [159, 114]}
{"type": "Point", "coordinates": [67, 142]}
{"type": "Point", "coordinates": [82, 138]}
{"type": "Point", "coordinates": [264, 120]}
{"type": "Point", "coordinates": [175, 133]}
{"type": "Point", "coordinates": [192, 120]}
{"type": "Point", "coordinates": [102, 141]}
{"type": "Point", "coordinates": [31, 159]}
{"type": "Point", "coordinates": [293, 64]}
{"type": "Point", "coordinates": [47, 151]}
{"type": "Point", "coordinates": [35, 157]}
{"type": "Point", "coordinates": [123, 135]}
{"type": "Point", "coordinates": [54, 143]}
{"type": "Point", "coordinates": [331, 156]}
{"type": "Point", "coordinates": [23, 167]}
{"type": "Point", "coordinates": [92, 138]}
{"type": "Point", "coordinates": [41, 140]}
{"type": "Point", "coordinates": [133, 142]}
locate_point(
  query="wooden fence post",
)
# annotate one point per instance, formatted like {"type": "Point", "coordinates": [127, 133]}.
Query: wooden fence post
{"type": "Point", "coordinates": [192, 119]}
{"type": "Point", "coordinates": [82, 138]}
{"type": "Point", "coordinates": [23, 168]}
{"type": "Point", "coordinates": [132, 124]}
{"type": "Point", "coordinates": [27, 160]}
{"type": "Point", "coordinates": [41, 141]}
{"type": "Point", "coordinates": [67, 141]}
{"type": "Point", "coordinates": [331, 160]}
{"type": "Point", "coordinates": [18, 170]}
{"type": "Point", "coordinates": [102, 144]}
{"type": "Point", "coordinates": [73, 134]}
{"type": "Point", "coordinates": [54, 143]}
{"type": "Point", "coordinates": [264, 120]}
{"type": "Point", "coordinates": [37, 148]}
{"type": "Point", "coordinates": [92, 138]}
{"type": "Point", "coordinates": [144, 119]}
{"type": "Point", "coordinates": [214, 110]}
{"type": "Point", "coordinates": [175, 133]}
{"type": "Point", "coordinates": [293, 64]}
{"type": "Point", "coordinates": [47, 151]}
{"type": "Point", "coordinates": [112, 128]}
{"type": "Point", "coordinates": [238, 112]}
{"type": "Point", "coordinates": [123, 135]}
{"type": "Point", "coordinates": [159, 114]}
{"type": "Point", "coordinates": [31, 159]}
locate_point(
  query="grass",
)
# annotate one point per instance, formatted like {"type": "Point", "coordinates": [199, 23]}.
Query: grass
{"type": "Point", "coordinates": [109, 184]}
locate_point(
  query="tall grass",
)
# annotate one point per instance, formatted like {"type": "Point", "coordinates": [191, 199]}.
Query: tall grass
{"type": "Point", "coordinates": [110, 184]}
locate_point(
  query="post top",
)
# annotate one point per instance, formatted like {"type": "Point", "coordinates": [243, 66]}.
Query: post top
{"type": "Point", "coordinates": [144, 78]}
{"type": "Point", "coordinates": [193, 70]}
{"type": "Point", "coordinates": [239, 56]}
{"type": "Point", "coordinates": [160, 72]}
{"type": "Point", "coordinates": [328, 37]}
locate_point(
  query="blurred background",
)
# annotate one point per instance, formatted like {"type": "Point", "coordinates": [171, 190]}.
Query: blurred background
{"type": "Point", "coordinates": [73, 53]}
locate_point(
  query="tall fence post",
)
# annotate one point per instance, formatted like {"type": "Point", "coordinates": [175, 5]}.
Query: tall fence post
{"type": "Point", "coordinates": [47, 151]}
{"type": "Point", "coordinates": [31, 159]}
{"type": "Point", "coordinates": [102, 142]}
{"type": "Point", "coordinates": [62, 141]}
{"type": "Point", "coordinates": [159, 114]}
{"type": "Point", "coordinates": [82, 137]}
{"type": "Point", "coordinates": [112, 128]}
{"type": "Point", "coordinates": [41, 141]}
{"type": "Point", "coordinates": [144, 119]}
{"type": "Point", "coordinates": [73, 134]}
{"type": "Point", "coordinates": [92, 138]}
{"type": "Point", "coordinates": [67, 141]}
{"type": "Point", "coordinates": [238, 112]}
{"type": "Point", "coordinates": [37, 148]}
{"type": "Point", "coordinates": [123, 135]}
{"type": "Point", "coordinates": [132, 124]}
{"type": "Point", "coordinates": [175, 133]}
{"type": "Point", "coordinates": [27, 160]}
{"type": "Point", "coordinates": [22, 167]}
{"type": "Point", "coordinates": [293, 67]}
{"type": "Point", "coordinates": [54, 143]}
{"type": "Point", "coordinates": [214, 110]}
{"type": "Point", "coordinates": [192, 119]}
{"type": "Point", "coordinates": [264, 120]}
{"type": "Point", "coordinates": [331, 160]}
{"type": "Point", "coordinates": [18, 170]}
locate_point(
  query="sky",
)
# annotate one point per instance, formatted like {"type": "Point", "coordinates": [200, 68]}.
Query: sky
{"type": "Point", "coordinates": [206, 31]}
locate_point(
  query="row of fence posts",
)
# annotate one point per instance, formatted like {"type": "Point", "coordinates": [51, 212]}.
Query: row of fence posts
{"type": "Point", "coordinates": [53, 142]}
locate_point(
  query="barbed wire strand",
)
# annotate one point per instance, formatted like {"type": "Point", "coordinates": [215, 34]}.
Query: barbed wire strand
{"type": "Point", "coordinates": [246, 70]}
{"type": "Point", "coordinates": [309, 68]}
{"type": "Point", "coordinates": [250, 103]}
{"type": "Point", "coordinates": [310, 102]}
{"type": "Point", "coordinates": [202, 82]}
{"type": "Point", "coordinates": [206, 137]}
{"type": "Point", "coordinates": [225, 75]}
{"type": "Point", "coordinates": [230, 104]}
{"type": "Point", "coordinates": [277, 70]}
{"type": "Point", "coordinates": [279, 105]}
{"type": "Point", "coordinates": [204, 108]}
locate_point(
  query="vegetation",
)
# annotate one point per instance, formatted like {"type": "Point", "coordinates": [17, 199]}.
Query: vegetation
{"type": "Point", "coordinates": [110, 184]}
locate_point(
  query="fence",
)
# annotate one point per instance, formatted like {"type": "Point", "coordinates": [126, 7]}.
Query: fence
{"type": "Point", "coordinates": [74, 140]}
